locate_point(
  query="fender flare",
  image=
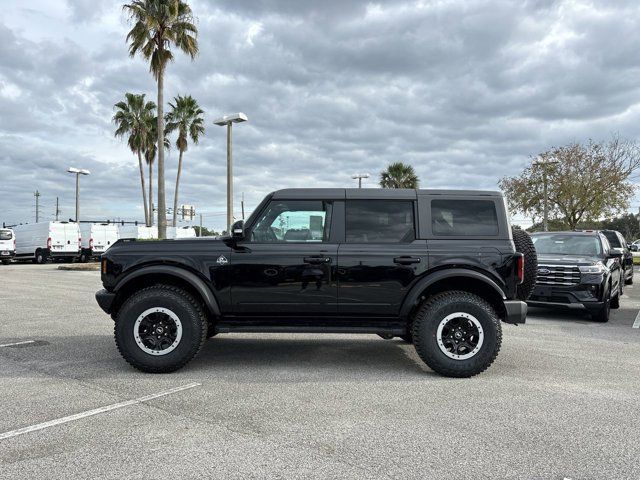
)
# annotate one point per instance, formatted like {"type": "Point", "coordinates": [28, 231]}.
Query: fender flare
{"type": "Point", "coordinates": [191, 278]}
{"type": "Point", "coordinates": [414, 294]}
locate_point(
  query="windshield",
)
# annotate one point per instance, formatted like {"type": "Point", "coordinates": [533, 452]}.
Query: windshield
{"type": "Point", "coordinates": [614, 241]}
{"type": "Point", "coordinates": [563, 244]}
{"type": "Point", "coordinates": [5, 235]}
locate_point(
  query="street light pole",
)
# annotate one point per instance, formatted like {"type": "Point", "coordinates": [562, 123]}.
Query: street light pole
{"type": "Point", "coordinates": [227, 121]}
{"type": "Point", "coordinates": [360, 176]}
{"type": "Point", "coordinates": [545, 195]}
{"type": "Point", "coordinates": [78, 172]}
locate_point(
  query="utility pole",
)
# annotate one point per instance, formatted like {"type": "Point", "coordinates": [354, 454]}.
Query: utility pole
{"type": "Point", "coordinates": [359, 177]}
{"type": "Point", "coordinates": [200, 231]}
{"type": "Point", "coordinates": [57, 209]}
{"type": "Point", "coordinates": [242, 204]}
{"type": "Point", "coordinates": [37, 195]}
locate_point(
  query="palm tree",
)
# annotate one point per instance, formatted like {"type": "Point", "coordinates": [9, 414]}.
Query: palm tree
{"type": "Point", "coordinates": [399, 175]}
{"type": "Point", "coordinates": [132, 118]}
{"type": "Point", "coordinates": [150, 150]}
{"type": "Point", "coordinates": [157, 25]}
{"type": "Point", "coordinates": [186, 117]}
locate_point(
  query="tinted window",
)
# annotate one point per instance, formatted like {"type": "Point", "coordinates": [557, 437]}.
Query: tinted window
{"type": "Point", "coordinates": [464, 217]}
{"type": "Point", "coordinates": [563, 244]}
{"type": "Point", "coordinates": [293, 221]}
{"type": "Point", "coordinates": [614, 241]}
{"type": "Point", "coordinates": [379, 221]}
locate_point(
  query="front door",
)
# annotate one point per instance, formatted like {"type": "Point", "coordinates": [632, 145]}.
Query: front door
{"type": "Point", "coordinates": [380, 259]}
{"type": "Point", "coordinates": [286, 265]}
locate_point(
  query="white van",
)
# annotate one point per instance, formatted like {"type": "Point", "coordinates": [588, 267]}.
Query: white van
{"type": "Point", "coordinates": [7, 245]}
{"type": "Point", "coordinates": [44, 240]}
{"type": "Point", "coordinates": [181, 232]}
{"type": "Point", "coordinates": [140, 232]}
{"type": "Point", "coordinates": [96, 239]}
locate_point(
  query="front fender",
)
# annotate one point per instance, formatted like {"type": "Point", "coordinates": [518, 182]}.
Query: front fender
{"type": "Point", "coordinates": [414, 294]}
{"type": "Point", "coordinates": [191, 278]}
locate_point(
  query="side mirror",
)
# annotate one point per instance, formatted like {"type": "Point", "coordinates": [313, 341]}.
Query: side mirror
{"type": "Point", "coordinates": [615, 253]}
{"type": "Point", "coordinates": [237, 230]}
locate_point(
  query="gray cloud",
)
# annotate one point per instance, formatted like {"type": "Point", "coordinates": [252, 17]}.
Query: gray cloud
{"type": "Point", "coordinates": [464, 91]}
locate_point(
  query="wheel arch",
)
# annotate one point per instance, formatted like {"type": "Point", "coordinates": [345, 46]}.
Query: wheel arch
{"type": "Point", "coordinates": [166, 275]}
{"type": "Point", "coordinates": [455, 279]}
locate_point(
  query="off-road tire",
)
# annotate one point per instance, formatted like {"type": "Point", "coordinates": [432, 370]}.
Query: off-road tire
{"type": "Point", "coordinates": [524, 245]}
{"type": "Point", "coordinates": [188, 310]}
{"type": "Point", "coordinates": [407, 337]}
{"type": "Point", "coordinates": [425, 326]}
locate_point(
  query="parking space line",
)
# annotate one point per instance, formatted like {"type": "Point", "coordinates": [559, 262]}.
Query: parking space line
{"type": "Point", "coordinates": [636, 324]}
{"type": "Point", "coordinates": [95, 411]}
{"type": "Point", "coordinates": [17, 343]}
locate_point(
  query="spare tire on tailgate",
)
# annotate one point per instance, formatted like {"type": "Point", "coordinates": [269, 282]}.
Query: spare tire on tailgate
{"type": "Point", "coordinates": [524, 245]}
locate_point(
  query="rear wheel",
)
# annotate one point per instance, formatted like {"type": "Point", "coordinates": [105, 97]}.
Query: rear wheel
{"type": "Point", "coordinates": [524, 244]}
{"type": "Point", "coordinates": [457, 334]}
{"type": "Point", "coordinates": [40, 257]}
{"type": "Point", "coordinates": [160, 329]}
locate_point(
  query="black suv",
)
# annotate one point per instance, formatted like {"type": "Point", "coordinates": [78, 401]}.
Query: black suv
{"type": "Point", "coordinates": [436, 268]}
{"type": "Point", "coordinates": [578, 270]}
{"type": "Point", "coordinates": [618, 243]}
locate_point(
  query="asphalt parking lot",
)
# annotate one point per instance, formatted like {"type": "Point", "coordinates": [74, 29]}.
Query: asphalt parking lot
{"type": "Point", "coordinates": [561, 401]}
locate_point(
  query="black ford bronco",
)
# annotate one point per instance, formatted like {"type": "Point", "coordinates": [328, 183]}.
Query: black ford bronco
{"type": "Point", "coordinates": [437, 268]}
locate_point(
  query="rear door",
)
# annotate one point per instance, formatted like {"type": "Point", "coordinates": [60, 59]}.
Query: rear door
{"type": "Point", "coordinates": [72, 237]}
{"type": "Point", "coordinates": [6, 242]}
{"type": "Point", "coordinates": [381, 257]}
{"type": "Point", "coordinates": [286, 265]}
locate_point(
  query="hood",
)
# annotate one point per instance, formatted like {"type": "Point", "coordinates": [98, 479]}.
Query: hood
{"type": "Point", "coordinates": [166, 249]}
{"type": "Point", "coordinates": [554, 259]}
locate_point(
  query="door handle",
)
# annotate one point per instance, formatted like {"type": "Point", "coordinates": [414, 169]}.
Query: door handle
{"type": "Point", "coordinates": [406, 260]}
{"type": "Point", "coordinates": [317, 259]}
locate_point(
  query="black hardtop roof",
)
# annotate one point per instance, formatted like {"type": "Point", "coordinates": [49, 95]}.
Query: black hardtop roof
{"type": "Point", "coordinates": [374, 193]}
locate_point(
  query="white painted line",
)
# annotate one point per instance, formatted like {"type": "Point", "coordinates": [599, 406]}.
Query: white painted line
{"type": "Point", "coordinates": [636, 324]}
{"type": "Point", "coordinates": [17, 343]}
{"type": "Point", "coordinates": [95, 411]}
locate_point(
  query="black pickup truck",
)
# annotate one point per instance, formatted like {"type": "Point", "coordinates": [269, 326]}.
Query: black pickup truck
{"type": "Point", "coordinates": [437, 268]}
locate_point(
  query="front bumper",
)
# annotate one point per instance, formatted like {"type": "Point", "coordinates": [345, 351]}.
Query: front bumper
{"type": "Point", "coordinates": [105, 299]}
{"type": "Point", "coordinates": [575, 296]}
{"type": "Point", "coordinates": [516, 311]}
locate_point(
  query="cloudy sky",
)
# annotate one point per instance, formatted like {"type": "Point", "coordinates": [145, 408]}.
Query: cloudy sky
{"type": "Point", "coordinates": [465, 91]}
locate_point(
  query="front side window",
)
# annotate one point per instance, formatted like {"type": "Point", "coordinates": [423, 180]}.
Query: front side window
{"type": "Point", "coordinates": [380, 221]}
{"type": "Point", "coordinates": [464, 218]}
{"type": "Point", "coordinates": [293, 221]}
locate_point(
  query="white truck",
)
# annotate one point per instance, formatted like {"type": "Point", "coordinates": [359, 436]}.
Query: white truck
{"type": "Point", "coordinates": [181, 232]}
{"type": "Point", "coordinates": [96, 239]}
{"type": "Point", "coordinates": [140, 232]}
{"type": "Point", "coordinates": [48, 240]}
{"type": "Point", "coordinates": [7, 245]}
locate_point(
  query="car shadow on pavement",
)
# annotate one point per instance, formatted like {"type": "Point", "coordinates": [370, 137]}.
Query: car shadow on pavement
{"type": "Point", "coordinates": [561, 314]}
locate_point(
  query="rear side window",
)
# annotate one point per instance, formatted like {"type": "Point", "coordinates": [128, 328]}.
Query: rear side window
{"type": "Point", "coordinates": [464, 218]}
{"type": "Point", "coordinates": [380, 221]}
{"type": "Point", "coordinates": [5, 235]}
{"type": "Point", "coordinates": [614, 241]}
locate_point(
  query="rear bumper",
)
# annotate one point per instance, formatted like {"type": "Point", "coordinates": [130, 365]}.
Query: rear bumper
{"type": "Point", "coordinates": [105, 300]}
{"type": "Point", "coordinates": [7, 254]}
{"type": "Point", "coordinates": [516, 311]}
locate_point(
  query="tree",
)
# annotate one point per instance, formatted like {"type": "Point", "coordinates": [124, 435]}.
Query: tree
{"type": "Point", "coordinates": [150, 150]}
{"type": "Point", "coordinates": [585, 182]}
{"type": "Point", "coordinates": [399, 175]}
{"type": "Point", "coordinates": [132, 118]}
{"type": "Point", "coordinates": [157, 25]}
{"type": "Point", "coordinates": [187, 118]}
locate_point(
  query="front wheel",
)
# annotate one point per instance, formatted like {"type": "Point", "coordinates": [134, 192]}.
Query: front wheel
{"type": "Point", "coordinates": [457, 334]}
{"type": "Point", "coordinates": [160, 329]}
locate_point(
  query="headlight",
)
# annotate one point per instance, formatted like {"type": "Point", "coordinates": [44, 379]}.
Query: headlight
{"type": "Point", "coordinates": [596, 268]}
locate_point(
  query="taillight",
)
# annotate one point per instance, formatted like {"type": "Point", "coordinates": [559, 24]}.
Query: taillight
{"type": "Point", "coordinates": [520, 268]}
{"type": "Point", "coordinates": [91, 243]}
{"type": "Point", "coordinates": [49, 243]}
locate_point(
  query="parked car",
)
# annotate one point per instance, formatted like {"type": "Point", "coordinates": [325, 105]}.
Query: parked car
{"type": "Point", "coordinates": [437, 268]}
{"type": "Point", "coordinates": [7, 245]}
{"type": "Point", "coordinates": [140, 232]}
{"type": "Point", "coordinates": [618, 243]}
{"type": "Point", "coordinates": [48, 240]}
{"type": "Point", "coordinates": [578, 270]}
{"type": "Point", "coordinates": [634, 246]}
{"type": "Point", "coordinates": [96, 239]}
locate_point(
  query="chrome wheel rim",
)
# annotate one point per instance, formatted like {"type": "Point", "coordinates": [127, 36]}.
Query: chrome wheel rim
{"type": "Point", "coordinates": [157, 331]}
{"type": "Point", "coordinates": [460, 335]}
